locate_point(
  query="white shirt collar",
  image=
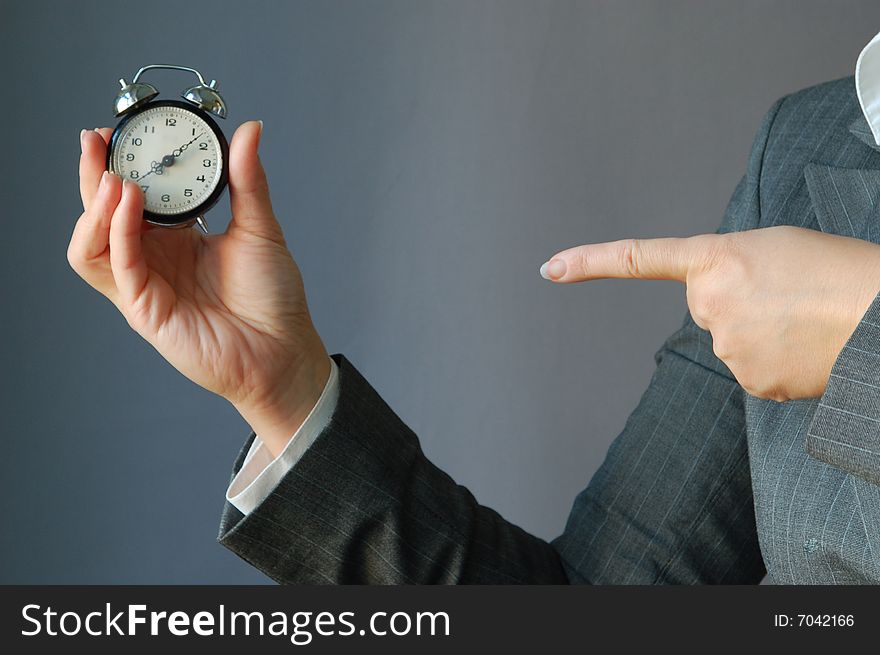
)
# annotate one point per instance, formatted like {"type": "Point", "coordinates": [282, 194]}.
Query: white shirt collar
{"type": "Point", "coordinates": [868, 85]}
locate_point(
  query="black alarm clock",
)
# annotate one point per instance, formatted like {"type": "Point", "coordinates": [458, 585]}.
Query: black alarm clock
{"type": "Point", "coordinates": [172, 149]}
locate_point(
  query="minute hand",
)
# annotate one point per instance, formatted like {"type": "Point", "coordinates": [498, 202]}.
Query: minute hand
{"type": "Point", "coordinates": [179, 151]}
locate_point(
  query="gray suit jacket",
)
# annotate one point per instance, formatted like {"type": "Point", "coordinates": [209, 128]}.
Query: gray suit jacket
{"type": "Point", "coordinates": [705, 484]}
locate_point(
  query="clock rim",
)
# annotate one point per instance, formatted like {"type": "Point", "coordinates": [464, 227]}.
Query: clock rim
{"type": "Point", "coordinates": [188, 217]}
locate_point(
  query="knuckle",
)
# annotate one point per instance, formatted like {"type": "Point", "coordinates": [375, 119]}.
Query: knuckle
{"type": "Point", "coordinates": [770, 393]}
{"type": "Point", "coordinates": [629, 257]}
{"type": "Point", "coordinates": [752, 391]}
{"type": "Point", "coordinates": [583, 262]}
{"type": "Point", "coordinates": [766, 390]}
{"type": "Point", "coordinates": [706, 305]}
{"type": "Point", "coordinates": [76, 260]}
{"type": "Point", "coordinates": [136, 313]}
{"type": "Point", "coordinates": [72, 257]}
{"type": "Point", "coordinates": [749, 385]}
{"type": "Point", "coordinates": [775, 390]}
{"type": "Point", "coordinates": [720, 347]}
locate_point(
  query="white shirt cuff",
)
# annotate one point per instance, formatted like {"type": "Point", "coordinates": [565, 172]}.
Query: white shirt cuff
{"type": "Point", "coordinates": [260, 473]}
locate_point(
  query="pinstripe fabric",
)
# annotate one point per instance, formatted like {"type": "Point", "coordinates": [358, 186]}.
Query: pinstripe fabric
{"type": "Point", "coordinates": [364, 505]}
{"type": "Point", "coordinates": [705, 484]}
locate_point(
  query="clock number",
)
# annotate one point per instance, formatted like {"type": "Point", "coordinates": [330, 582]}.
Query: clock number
{"type": "Point", "coordinates": [170, 122]}
{"type": "Point", "coordinates": [201, 178]}
{"type": "Point", "coordinates": [134, 175]}
{"type": "Point", "coordinates": [187, 193]}
{"type": "Point", "coordinates": [137, 141]}
{"type": "Point", "coordinates": [206, 163]}
{"type": "Point", "coordinates": [194, 131]}
{"type": "Point", "coordinates": [165, 197]}
{"type": "Point", "coordinates": [144, 187]}
{"type": "Point", "coordinates": [149, 128]}
{"type": "Point", "coordinates": [203, 146]}
{"type": "Point", "coordinates": [129, 157]}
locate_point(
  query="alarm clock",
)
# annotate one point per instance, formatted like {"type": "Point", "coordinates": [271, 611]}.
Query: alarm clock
{"type": "Point", "coordinates": [173, 149]}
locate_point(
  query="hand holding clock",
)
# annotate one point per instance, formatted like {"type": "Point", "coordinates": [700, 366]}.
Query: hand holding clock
{"type": "Point", "coordinates": [228, 311]}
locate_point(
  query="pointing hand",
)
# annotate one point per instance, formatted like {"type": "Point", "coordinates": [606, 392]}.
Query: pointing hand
{"type": "Point", "coordinates": [780, 302]}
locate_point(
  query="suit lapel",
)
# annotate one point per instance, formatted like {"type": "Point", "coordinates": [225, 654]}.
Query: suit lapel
{"type": "Point", "coordinates": [859, 128]}
{"type": "Point", "coordinates": [847, 200]}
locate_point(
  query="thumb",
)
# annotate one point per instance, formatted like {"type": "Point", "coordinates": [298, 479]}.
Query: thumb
{"type": "Point", "coordinates": [248, 187]}
{"type": "Point", "coordinates": [647, 259]}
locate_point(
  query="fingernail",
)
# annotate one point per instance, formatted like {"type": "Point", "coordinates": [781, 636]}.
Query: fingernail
{"type": "Point", "coordinates": [261, 126]}
{"type": "Point", "coordinates": [82, 140]}
{"type": "Point", "coordinates": [104, 179]}
{"type": "Point", "coordinates": [132, 186]}
{"type": "Point", "coordinates": [553, 270]}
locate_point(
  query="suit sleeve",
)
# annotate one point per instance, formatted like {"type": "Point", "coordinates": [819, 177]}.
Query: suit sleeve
{"type": "Point", "coordinates": [845, 430]}
{"type": "Point", "coordinates": [365, 506]}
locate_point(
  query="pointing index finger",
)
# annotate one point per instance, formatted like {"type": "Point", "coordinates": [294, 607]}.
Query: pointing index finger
{"type": "Point", "coordinates": [646, 259]}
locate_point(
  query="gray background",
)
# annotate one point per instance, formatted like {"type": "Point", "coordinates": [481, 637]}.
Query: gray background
{"type": "Point", "coordinates": [425, 157]}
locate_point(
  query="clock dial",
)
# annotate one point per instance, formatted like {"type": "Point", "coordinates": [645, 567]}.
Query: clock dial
{"type": "Point", "coordinates": [173, 154]}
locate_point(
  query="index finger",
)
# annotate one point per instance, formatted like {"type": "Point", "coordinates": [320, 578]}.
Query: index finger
{"type": "Point", "coordinates": [646, 259]}
{"type": "Point", "coordinates": [92, 162]}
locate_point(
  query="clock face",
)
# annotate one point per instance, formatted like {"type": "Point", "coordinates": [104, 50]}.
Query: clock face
{"type": "Point", "coordinates": [175, 156]}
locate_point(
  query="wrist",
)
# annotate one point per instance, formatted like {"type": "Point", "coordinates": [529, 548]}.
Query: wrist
{"type": "Point", "coordinates": [278, 415]}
